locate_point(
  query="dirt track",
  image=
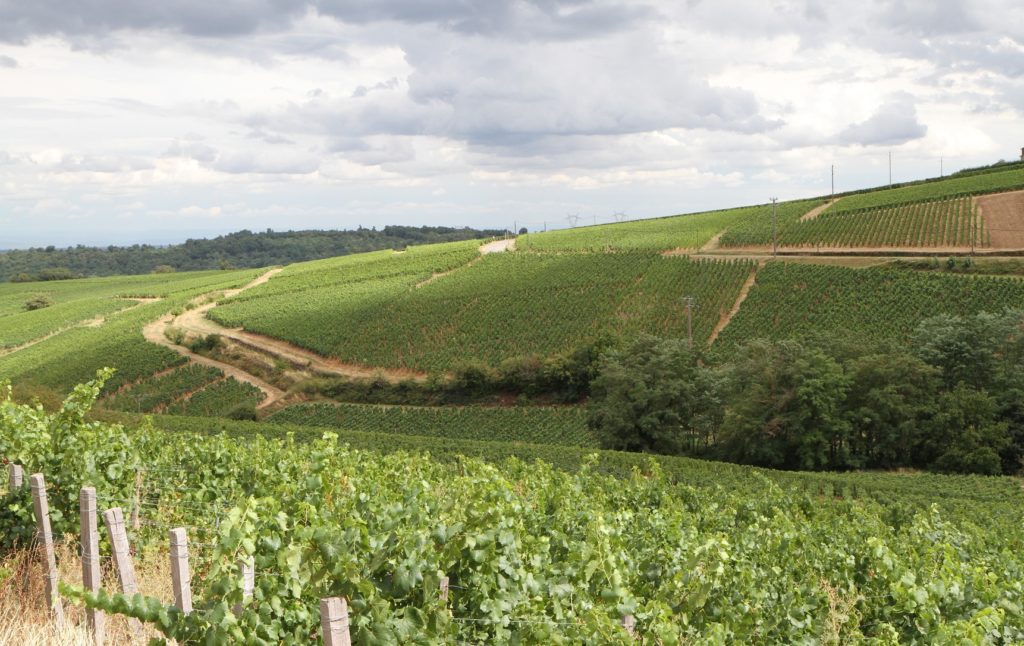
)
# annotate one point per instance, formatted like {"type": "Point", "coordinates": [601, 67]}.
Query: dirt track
{"type": "Point", "coordinates": [1003, 214]}
{"type": "Point", "coordinates": [816, 211]}
{"type": "Point", "coordinates": [194, 322]}
{"type": "Point", "coordinates": [155, 333]}
{"type": "Point", "coordinates": [498, 246]}
{"type": "Point", "coordinates": [742, 296]}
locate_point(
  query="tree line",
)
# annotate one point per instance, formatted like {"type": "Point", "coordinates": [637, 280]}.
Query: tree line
{"type": "Point", "coordinates": [242, 249]}
{"type": "Point", "coordinates": [951, 400]}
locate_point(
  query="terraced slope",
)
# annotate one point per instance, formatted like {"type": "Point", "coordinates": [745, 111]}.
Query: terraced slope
{"type": "Point", "coordinates": [871, 305]}
{"type": "Point", "coordinates": [501, 306]}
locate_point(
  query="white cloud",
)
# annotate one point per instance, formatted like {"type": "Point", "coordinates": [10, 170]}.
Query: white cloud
{"type": "Point", "coordinates": [330, 113]}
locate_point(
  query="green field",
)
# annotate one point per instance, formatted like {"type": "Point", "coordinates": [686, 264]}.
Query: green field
{"type": "Point", "coordinates": [503, 306]}
{"type": "Point", "coordinates": [536, 424]}
{"type": "Point", "coordinates": [867, 306]}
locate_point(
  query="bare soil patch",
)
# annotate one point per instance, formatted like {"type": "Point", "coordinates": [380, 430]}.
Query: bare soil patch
{"type": "Point", "coordinates": [498, 246]}
{"type": "Point", "coordinates": [818, 210]}
{"type": "Point", "coordinates": [1003, 214]}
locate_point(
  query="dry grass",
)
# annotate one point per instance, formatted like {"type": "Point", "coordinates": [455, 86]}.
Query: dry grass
{"type": "Point", "coordinates": [24, 618]}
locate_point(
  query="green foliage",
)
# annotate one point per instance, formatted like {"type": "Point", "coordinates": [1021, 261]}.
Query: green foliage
{"type": "Point", "coordinates": [786, 408]}
{"type": "Point", "coordinates": [654, 396]}
{"type": "Point", "coordinates": [536, 555]}
{"type": "Point", "coordinates": [538, 424]}
{"type": "Point", "coordinates": [69, 451]}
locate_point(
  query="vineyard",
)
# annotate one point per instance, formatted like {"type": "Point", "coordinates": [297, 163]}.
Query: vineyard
{"type": "Point", "coordinates": [75, 354]}
{"type": "Point", "coordinates": [871, 306]}
{"type": "Point", "coordinates": [156, 393]}
{"type": "Point", "coordinates": [978, 184]}
{"type": "Point", "coordinates": [541, 425]}
{"type": "Point", "coordinates": [532, 554]}
{"type": "Point", "coordinates": [219, 399]}
{"type": "Point", "coordinates": [503, 306]}
{"type": "Point", "coordinates": [942, 223]}
{"type": "Point", "coordinates": [678, 232]}
{"type": "Point", "coordinates": [920, 488]}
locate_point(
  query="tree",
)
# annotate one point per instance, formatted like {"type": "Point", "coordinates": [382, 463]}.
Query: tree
{"type": "Point", "coordinates": [890, 397]}
{"type": "Point", "coordinates": [784, 408]}
{"type": "Point", "coordinates": [655, 396]}
{"type": "Point", "coordinates": [965, 435]}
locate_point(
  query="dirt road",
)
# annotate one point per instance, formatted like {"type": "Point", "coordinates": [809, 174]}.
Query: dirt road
{"type": "Point", "coordinates": [498, 246]}
{"type": "Point", "coordinates": [1003, 214]}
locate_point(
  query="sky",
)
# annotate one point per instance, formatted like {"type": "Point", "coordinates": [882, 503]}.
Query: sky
{"type": "Point", "coordinates": [134, 121]}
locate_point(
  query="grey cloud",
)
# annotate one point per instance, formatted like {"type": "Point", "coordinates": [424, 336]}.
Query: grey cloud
{"type": "Point", "coordinates": [927, 18]}
{"type": "Point", "coordinates": [362, 90]}
{"type": "Point", "coordinates": [517, 99]}
{"type": "Point", "coordinates": [8, 62]}
{"type": "Point", "coordinates": [22, 21]}
{"type": "Point", "coordinates": [893, 124]}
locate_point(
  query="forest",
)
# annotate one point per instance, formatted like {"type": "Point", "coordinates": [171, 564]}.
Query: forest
{"type": "Point", "coordinates": [242, 249]}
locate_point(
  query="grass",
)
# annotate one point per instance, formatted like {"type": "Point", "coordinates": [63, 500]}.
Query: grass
{"type": "Point", "coordinates": [25, 619]}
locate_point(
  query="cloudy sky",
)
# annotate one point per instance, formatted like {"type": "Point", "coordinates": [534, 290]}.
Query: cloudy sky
{"type": "Point", "coordinates": [137, 121]}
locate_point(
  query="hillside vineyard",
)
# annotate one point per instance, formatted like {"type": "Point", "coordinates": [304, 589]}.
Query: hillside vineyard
{"type": "Point", "coordinates": [513, 440]}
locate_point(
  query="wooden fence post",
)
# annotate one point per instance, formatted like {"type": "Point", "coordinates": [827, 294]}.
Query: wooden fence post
{"type": "Point", "coordinates": [15, 477]}
{"type": "Point", "coordinates": [248, 583]}
{"type": "Point", "coordinates": [114, 519]}
{"type": "Point", "coordinates": [91, 580]}
{"type": "Point", "coordinates": [180, 575]}
{"type": "Point", "coordinates": [136, 501]}
{"type": "Point", "coordinates": [42, 509]}
{"type": "Point", "coordinates": [629, 623]}
{"type": "Point", "coordinates": [334, 621]}
{"type": "Point", "coordinates": [443, 586]}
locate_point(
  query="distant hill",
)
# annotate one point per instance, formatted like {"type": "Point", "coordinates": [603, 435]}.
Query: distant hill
{"type": "Point", "coordinates": [239, 250]}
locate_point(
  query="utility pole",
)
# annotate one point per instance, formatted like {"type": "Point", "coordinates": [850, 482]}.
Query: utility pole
{"type": "Point", "coordinates": [688, 300]}
{"type": "Point", "coordinates": [775, 228]}
{"type": "Point", "coordinates": [941, 173]}
{"type": "Point", "coordinates": [832, 196]}
{"type": "Point", "coordinates": [890, 169]}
